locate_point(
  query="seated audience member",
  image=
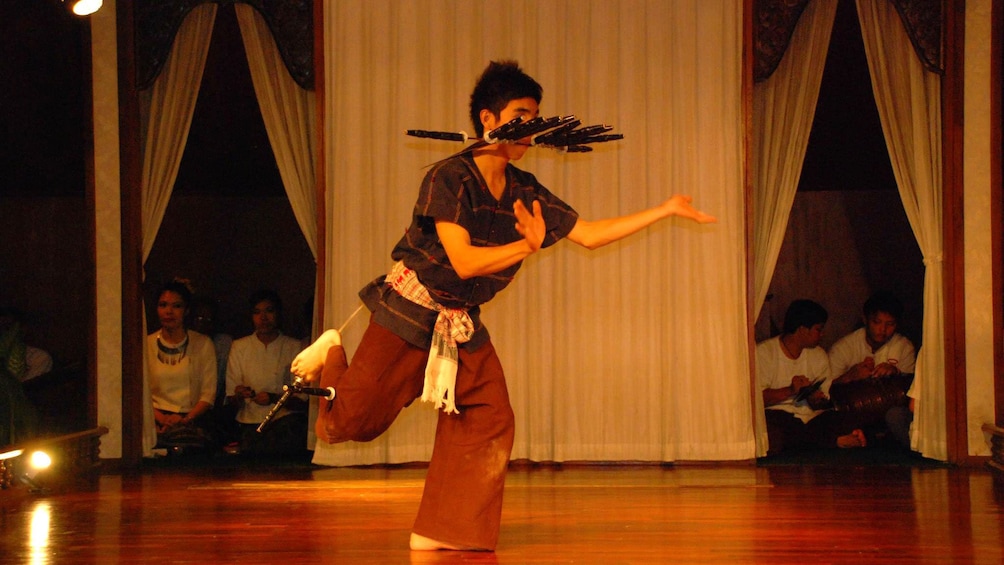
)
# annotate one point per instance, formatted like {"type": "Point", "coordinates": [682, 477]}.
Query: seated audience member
{"type": "Point", "coordinates": [875, 351]}
{"type": "Point", "coordinates": [21, 360]}
{"type": "Point", "coordinates": [794, 374]}
{"type": "Point", "coordinates": [257, 369]}
{"type": "Point", "coordinates": [181, 365]}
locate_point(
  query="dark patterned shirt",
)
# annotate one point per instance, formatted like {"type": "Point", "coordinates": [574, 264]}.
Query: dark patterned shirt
{"type": "Point", "coordinates": [454, 191]}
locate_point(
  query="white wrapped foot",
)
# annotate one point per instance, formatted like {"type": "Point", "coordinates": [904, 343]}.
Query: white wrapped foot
{"type": "Point", "coordinates": [309, 363]}
{"type": "Point", "coordinates": [422, 543]}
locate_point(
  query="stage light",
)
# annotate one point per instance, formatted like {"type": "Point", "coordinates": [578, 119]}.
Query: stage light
{"type": "Point", "coordinates": [40, 461]}
{"type": "Point", "coordinates": [37, 462]}
{"type": "Point", "coordinates": [83, 7]}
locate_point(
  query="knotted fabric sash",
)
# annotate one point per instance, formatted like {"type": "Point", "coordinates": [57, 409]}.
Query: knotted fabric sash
{"type": "Point", "coordinates": [453, 326]}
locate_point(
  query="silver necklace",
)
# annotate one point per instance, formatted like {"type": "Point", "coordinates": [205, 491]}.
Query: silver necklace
{"type": "Point", "coordinates": [171, 354]}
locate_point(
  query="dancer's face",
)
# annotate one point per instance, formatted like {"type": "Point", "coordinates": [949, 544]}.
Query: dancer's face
{"type": "Point", "coordinates": [526, 108]}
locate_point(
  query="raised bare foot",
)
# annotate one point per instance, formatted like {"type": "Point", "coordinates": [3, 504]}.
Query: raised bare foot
{"type": "Point", "coordinates": [422, 543]}
{"type": "Point", "coordinates": [853, 439]}
{"type": "Point", "coordinates": [309, 363]}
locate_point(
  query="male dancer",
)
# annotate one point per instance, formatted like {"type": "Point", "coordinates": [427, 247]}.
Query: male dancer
{"type": "Point", "coordinates": [476, 219]}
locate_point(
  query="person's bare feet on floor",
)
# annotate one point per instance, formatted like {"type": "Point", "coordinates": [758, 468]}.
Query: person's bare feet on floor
{"type": "Point", "coordinates": [853, 439]}
{"type": "Point", "coordinates": [309, 363]}
{"type": "Point", "coordinates": [422, 543]}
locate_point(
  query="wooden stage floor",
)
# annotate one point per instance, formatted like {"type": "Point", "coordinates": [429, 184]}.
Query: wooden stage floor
{"type": "Point", "coordinates": [718, 513]}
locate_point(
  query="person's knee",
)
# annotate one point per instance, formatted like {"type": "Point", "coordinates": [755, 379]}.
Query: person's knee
{"type": "Point", "coordinates": [898, 416]}
{"type": "Point", "coordinates": [509, 425]}
{"type": "Point", "coordinates": [363, 420]}
{"type": "Point", "coordinates": [502, 428]}
{"type": "Point", "coordinates": [898, 419]}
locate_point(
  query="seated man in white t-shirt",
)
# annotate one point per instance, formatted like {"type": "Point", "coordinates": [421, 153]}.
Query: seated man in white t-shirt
{"type": "Point", "coordinates": [876, 351]}
{"type": "Point", "coordinates": [793, 373]}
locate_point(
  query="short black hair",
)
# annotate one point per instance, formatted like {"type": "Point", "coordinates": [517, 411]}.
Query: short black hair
{"type": "Point", "coordinates": [500, 83]}
{"type": "Point", "coordinates": [883, 301]}
{"type": "Point", "coordinates": [265, 294]}
{"type": "Point", "coordinates": [803, 314]}
{"type": "Point", "coordinates": [178, 287]}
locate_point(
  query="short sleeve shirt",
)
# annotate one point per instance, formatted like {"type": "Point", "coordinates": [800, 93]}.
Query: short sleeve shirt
{"type": "Point", "coordinates": [454, 191]}
{"type": "Point", "coordinates": [853, 348]}
{"type": "Point", "coordinates": [775, 370]}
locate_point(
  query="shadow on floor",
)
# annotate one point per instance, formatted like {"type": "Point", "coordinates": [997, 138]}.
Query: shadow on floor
{"type": "Point", "coordinates": [875, 456]}
{"type": "Point", "coordinates": [862, 457]}
{"type": "Point", "coordinates": [221, 461]}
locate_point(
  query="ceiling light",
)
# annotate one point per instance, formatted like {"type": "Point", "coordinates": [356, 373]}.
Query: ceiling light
{"type": "Point", "coordinates": [83, 7]}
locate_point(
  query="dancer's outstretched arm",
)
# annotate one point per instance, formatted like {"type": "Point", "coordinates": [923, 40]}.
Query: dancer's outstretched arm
{"type": "Point", "coordinates": [597, 233]}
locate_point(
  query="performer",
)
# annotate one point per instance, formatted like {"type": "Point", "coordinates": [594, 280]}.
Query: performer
{"type": "Point", "coordinates": [476, 219]}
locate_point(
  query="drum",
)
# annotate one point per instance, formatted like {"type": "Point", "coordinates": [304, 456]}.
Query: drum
{"type": "Point", "coordinates": [872, 395]}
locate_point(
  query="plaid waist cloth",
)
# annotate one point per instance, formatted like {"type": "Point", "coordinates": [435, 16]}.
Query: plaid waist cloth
{"type": "Point", "coordinates": [453, 326]}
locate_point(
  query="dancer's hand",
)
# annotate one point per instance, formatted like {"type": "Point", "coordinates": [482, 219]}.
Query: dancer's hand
{"type": "Point", "coordinates": [680, 205]}
{"type": "Point", "coordinates": [530, 225]}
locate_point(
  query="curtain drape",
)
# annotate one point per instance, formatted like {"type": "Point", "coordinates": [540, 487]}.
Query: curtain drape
{"type": "Point", "coordinates": [909, 105]}
{"type": "Point", "coordinates": [783, 109]}
{"type": "Point", "coordinates": [172, 103]}
{"type": "Point", "coordinates": [288, 112]}
{"type": "Point", "coordinates": [637, 351]}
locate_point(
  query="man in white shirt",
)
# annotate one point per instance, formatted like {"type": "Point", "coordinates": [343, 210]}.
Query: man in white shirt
{"type": "Point", "coordinates": [257, 370]}
{"type": "Point", "coordinates": [876, 351]}
{"type": "Point", "coordinates": [793, 373]}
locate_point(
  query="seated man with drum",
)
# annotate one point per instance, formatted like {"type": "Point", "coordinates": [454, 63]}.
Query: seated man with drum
{"type": "Point", "coordinates": [877, 351]}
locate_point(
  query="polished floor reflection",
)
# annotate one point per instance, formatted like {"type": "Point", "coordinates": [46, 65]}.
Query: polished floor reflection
{"type": "Point", "coordinates": [267, 513]}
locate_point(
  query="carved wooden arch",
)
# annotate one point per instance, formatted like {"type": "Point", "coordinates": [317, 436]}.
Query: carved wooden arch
{"type": "Point", "coordinates": [291, 23]}
{"type": "Point", "coordinates": [774, 23]}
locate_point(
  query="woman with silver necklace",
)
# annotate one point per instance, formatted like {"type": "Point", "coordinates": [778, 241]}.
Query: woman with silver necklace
{"type": "Point", "coordinates": [181, 365]}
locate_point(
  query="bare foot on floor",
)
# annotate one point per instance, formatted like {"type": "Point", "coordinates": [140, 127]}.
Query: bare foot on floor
{"type": "Point", "coordinates": [422, 543]}
{"type": "Point", "coordinates": [853, 439]}
{"type": "Point", "coordinates": [309, 363]}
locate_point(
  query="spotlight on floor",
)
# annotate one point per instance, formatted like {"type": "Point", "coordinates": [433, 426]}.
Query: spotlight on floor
{"type": "Point", "coordinates": [38, 462]}
{"type": "Point", "coordinates": [83, 7]}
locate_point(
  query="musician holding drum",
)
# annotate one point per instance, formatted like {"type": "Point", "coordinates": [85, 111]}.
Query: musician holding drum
{"type": "Point", "coordinates": [878, 351]}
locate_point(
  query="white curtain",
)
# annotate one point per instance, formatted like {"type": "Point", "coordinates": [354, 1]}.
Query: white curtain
{"type": "Point", "coordinates": [288, 112]}
{"type": "Point", "coordinates": [637, 351]}
{"type": "Point", "coordinates": [783, 109]}
{"type": "Point", "coordinates": [909, 105]}
{"type": "Point", "coordinates": [172, 104]}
